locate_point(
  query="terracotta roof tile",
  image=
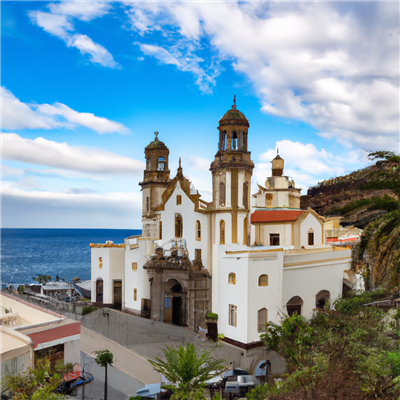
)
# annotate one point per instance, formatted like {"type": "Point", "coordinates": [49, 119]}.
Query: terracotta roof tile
{"type": "Point", "coordinates": [275, 216]}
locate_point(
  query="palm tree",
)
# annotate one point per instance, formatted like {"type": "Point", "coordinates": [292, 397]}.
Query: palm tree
{"type": "Point", "coordinates": [187, 371]}
{"type": "Point", "coordinates": [104, 358]}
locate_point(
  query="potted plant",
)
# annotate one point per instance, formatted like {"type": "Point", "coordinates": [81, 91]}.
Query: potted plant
{"type": "Point", "coordinates": [212, 327]}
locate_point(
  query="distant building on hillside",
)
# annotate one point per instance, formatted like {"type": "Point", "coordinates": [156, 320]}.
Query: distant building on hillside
{"type": "Point", "coordinates": [245, 257]}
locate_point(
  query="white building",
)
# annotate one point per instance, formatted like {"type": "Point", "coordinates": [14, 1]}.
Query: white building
{"type": "Point", "coordinates": [246, 258]}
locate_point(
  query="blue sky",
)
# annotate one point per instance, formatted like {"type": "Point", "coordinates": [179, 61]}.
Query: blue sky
{"type": "Point", "coordinates": [85, 85]}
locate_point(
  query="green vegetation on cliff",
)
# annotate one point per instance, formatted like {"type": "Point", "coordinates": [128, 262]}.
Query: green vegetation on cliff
{"type": "Point", "coordinates": [349, 351]}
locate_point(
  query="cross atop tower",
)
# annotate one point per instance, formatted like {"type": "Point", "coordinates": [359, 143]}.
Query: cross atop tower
{"type": "Point", "coordinates": [234, 102]}
{"type": "Point", "coordinates": [156, 133]}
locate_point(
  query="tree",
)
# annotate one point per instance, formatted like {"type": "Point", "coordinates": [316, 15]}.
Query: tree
{"type": "Point", "coordinates": [346, 351]}
{"type": "Point", "coordinates": [42, 278]}
{"type": "Point", "coordinates": [104, 358]}
{"type": "Point", "coordinates": [187, 371]}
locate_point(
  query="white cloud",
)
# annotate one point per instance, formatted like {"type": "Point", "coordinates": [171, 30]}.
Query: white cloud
{"type": "Point", "coordinates": [29, 182]}
{"type": "Point", "coordinates": [18, 115]}
{"type": "Point", "coordinates": [46, 209]}
{"type": "Point", "coordinates": [65, 157]}
{"type": "Point", "coordinates": [306, 164]}
{"type": "Point", "coordinates": [199, 164]}
{"type": "Point", "coordinates": [333, 65]}
{"type": "Point", "coordinates": [182, 56]}
{"type": "Point", "coordinates": [58, 22]}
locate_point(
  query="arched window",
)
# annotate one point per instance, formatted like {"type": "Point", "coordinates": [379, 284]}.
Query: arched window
{"type": "Point", "coordinates": [223, 140]}
{"type": "Point", "coordinates": [262, 319]}
{"type": "Point", "coordinates": [178, 199]}
{"type": "Point", "coordinates": [294, 305]}
{"type": "Point", "coordinates": [234, 142]}
{"type": "Point", "coordinates": [263, 280]}
{"type": "Point", "coordinates": [160, 229]}
{"type": "Point", "coordinates": [222, 232]}
{"type": "Point", "coordinates": [178, 226]}
{"type": "Point", "coordinates": [232, 279]}
{"type": "Point", "coordinates": [268, 200]}
{"type": "Point", "coordinates": [246, 195]}
{"type": "Point", "coordinates": [160, 163]}
{"type": "Point", "coordinates": [311, 237]}
{"type": "Point", "coordinates": [198, 230]}
{"type": "Point", "coordinates": [222, 194]}
{"type": "Point", "coordinates": [321, 298]}
{"type": "Point", "coordinates": [148, 164]}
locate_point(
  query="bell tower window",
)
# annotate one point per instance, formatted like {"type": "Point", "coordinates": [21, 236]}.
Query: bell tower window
{"type": "Point", "coordinates": [160, 164]}
{"type": "Point", "coordinates": [234, 142]}
{"type": "Point", "coordinates": [223, 140]}
{"type": "Point", "coordinates": [222, 194]}
{"type": "Point", "coordinates": [178, 226]}
{"type": "Point", "coordinates": [148, 164]}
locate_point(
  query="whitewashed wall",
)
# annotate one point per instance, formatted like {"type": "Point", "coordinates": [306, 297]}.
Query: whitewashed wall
{"type": "Point", "coordinates": [315, 272]}
{"type": "Point", "coordinates": [310, 222]}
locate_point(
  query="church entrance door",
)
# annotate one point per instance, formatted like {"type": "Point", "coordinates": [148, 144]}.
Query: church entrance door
{"type": "Point", "coordinates": [176, 310]}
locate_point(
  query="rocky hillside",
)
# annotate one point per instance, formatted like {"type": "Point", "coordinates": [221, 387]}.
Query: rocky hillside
{"type": "Point", "coordinates": [367, 199]}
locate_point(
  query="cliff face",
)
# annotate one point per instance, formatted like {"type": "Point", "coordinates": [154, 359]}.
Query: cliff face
{"type": "Point", "coordinates": [367, 199]}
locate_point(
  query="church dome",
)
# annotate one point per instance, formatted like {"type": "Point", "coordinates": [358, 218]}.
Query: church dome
{"type": "Point", "coordinates": [233, 114]}
{"type": "Point", "coordinates": [155, 144]}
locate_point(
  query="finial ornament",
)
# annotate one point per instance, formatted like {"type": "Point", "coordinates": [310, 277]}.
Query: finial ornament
{"type": "Point", "coordinates": [156, 133]}
{"type": "Point", "coordinates": [180, 169]}
{"type": "Point", "coordinates": [180, 163]}
{"type": "Point", "coordinates": [277, 150]}
{"type": "Point", "coordinates": [234, 102]}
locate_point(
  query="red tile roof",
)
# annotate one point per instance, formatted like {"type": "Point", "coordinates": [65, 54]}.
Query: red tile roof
{"type": "Point", "coordinates": [275, 216]}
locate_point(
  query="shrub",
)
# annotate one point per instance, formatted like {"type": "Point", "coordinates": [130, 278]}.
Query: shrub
{"type": "Point", "coordinates": [88, 309]}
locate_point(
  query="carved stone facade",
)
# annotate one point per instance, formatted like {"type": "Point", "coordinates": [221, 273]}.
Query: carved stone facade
{"type": "Point", "coordinates": [180, 291]}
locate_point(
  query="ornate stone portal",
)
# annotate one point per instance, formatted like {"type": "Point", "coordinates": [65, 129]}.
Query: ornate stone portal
{"type": "Point", "coordinates": [180, 291]}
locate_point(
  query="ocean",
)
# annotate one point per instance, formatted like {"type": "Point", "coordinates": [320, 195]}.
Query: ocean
{"type": "Point", "coordinates": [64, 252]}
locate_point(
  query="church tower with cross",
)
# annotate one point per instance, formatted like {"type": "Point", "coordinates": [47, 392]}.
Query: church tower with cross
{"type": "Point", "coordinates": [231, 170]}
{"type": "Point", "coordinates": [155, 180]}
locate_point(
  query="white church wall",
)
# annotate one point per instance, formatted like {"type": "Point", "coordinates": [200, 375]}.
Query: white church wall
{"type": "Point", "coordinates": [111, 269]}
{"type": "Point", "coordinates": [189, 217]}
{"type": "Point", "coordinates": [229, 294]}
{"type": "Point", "coordinates": [311, 222]}
{"type": "Point", "coordinates": [280, 199]}
{"type": "Point", "coordinates": [284, 230]}
{"type": "Point", "coordinates": [135, 276]}
{"type": "Point", "coordinates": [268, 263]}
{"type": "Point", "coordinates": [314, 272]}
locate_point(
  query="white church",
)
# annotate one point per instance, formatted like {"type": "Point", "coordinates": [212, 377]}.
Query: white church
{"type": "Point", "coordinates": [247, 257]}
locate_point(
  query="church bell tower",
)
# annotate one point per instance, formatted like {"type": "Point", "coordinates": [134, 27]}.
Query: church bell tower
{"type": "Point", "coordinates": [155, 181]}
{"type": "Point", "coordinates": [232, 169]}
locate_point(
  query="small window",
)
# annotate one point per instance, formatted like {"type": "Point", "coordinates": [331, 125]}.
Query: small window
{"type": "Point", "coordinates": [274, 239]}
{"type": "Point", "coordinates": [311, 237]}
{"type": "Point", "coordinates": [161, 163]}
{"type": "Point", "coordinates": [262, 319]}
{"type": "Point", "coordinates": [178, 226]}
{"type": "Point", "coordinates": [134, 294]}
{"type": "Point", "coordinates": [222, 232]}
{"type": "Point", "coordinates": [134, 266]}
{"type": "Point", "coordinates": [198, 230]}
{"type": "Point", "coordinates": [268, 200]}
{"type": "Point", "coordinates": [147, 203]}
{"type": "Point", "coordinates": [178, 200]}
{"type": "Point", "coordinates": [197, 253]}
{"type": "Point", "coordinates": [224, 140]}
{"type": "Point", "coordinates": [222, 194]}
{"type": "Point", "coordinates": [263, 280]}
{"type": "Point", "coordinates": [160, 229]}
{"type": "Point", "coordinates": [232, 279]}
{"type": "Point", "coordinates": [100, 262]}
{"type": "Point", "coordinates": [167, 302]}
{"type": "Point", "coordinates": [232, 315]}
